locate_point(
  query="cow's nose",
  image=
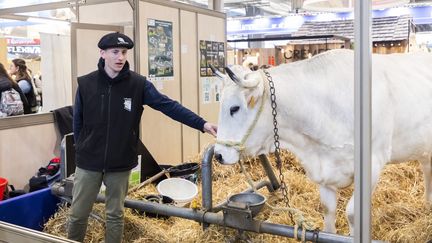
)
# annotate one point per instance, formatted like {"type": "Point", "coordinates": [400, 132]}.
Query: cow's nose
{"type": "Point", "coordinates": [218, 157]}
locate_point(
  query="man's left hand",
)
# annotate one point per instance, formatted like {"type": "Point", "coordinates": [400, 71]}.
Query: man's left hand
{"type": "Point", "coordinates": [210, 128]}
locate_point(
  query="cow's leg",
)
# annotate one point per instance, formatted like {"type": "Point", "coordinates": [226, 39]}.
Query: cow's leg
{"type": "Point", "coordinates": [329, 202]}
{"type": "Point", "coordinates": [427, 171]}
{"type": "Point", "coordinates": [375, 173]}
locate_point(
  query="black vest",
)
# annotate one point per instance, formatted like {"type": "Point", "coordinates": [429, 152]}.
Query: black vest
{"type": "Point", "coordinates": [112, 110]}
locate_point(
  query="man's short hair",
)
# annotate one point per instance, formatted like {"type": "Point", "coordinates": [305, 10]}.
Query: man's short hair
{"type": "Point", "coordinates": [115, 40]}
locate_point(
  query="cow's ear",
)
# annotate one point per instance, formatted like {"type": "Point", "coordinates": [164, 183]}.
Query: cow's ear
{"type": "Point", "coordinates": [251, 102]}
{"type": "Point", "coordinates": [254, 94]}
{"type": "Point", "coordinates": [251, 80]}
{"type": "Point", "coordinates": [253, 98]}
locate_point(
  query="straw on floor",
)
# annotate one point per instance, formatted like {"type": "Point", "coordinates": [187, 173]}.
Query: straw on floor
{"type": "Point", "coordinates": [399, 211]}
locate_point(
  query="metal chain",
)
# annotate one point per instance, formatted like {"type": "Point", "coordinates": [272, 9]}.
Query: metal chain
{"type": "Point", "coordinates": [283, 187]}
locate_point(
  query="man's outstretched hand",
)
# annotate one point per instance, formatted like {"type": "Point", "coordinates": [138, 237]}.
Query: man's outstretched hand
{"type": "Point", "coordinates": [210, 128]}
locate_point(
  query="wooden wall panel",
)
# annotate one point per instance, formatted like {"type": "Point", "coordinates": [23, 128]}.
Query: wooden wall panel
{"type": "Point", "coordinates": [24, 150]}
{"type": "Point", "coordinates": [211, 29]}
{"type": "Point", "coordinates": [88, 53]}
{"type": "Point", "coordinates": [85, 53]}
{"type": "Point", "coordinates": [189, 79]}
{"type": "Point", "coordinates": [161, 134]}
{"type": "Point", "coordinates": [3, 52]}
{"type": "Point", "coordinates": [117, 13]}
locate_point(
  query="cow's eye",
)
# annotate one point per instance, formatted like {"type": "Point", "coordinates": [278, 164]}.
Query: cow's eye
{"type": "Point", "coordinates": [234, 109]}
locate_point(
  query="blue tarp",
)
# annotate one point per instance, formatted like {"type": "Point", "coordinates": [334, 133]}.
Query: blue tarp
{"type": "Point", "coordinates": [30, 210]}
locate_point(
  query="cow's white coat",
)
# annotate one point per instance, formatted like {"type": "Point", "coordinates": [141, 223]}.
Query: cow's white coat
{"type": "Point", "coordinates": [315, 99]}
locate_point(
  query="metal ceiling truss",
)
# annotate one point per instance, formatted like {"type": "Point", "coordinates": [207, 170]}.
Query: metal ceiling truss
{"type": "Point", "coordinates": [251, 7]}
{"type": "Point", "coordinates": [50, 6]}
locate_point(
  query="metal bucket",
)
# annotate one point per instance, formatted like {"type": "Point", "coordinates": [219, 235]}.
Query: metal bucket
{"type": "Point", "coordinates": [253, 201]}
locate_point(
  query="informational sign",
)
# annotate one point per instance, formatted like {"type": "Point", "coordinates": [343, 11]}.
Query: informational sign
{"type": "Point", "coordinates": [211, 52]}
{"type": "Point", "coordinates": [23, 48]}
{"type": "Point", "coordinates": [206, 86]}
{"type": "Point", "coordinates": [160, 50]}
{"type": "Point", "coordinates": [211, 89]}
{"type": "Point", "coordinates": [217, 84]}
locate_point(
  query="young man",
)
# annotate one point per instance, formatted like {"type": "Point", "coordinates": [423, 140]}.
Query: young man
{"type": "Point", "coordinates": [107, 113]}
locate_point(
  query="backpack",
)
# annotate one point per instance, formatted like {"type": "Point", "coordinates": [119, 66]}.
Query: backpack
{"type": "Point", "coordinates": [46, 176]}
{"type": "Point", "coordinates": [11, 103]}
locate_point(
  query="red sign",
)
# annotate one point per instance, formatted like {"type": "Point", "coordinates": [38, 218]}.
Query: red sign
{"type": "Point", "coordinates": [22, 42]}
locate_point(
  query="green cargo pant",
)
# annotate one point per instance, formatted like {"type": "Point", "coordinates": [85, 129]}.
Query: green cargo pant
{"type": "Point", "coordinates": [86, 188]}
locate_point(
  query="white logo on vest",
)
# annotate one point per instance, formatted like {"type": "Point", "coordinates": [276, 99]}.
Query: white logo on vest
{"type": "Point", "coordinates": [127, 104]}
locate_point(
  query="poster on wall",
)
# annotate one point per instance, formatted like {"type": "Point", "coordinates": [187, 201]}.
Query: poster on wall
{"type": "Point", "coordinates": [206, 86]}
{"type": "Point", "coordinates": [211, 52]}
{"type": "Point", "coordinates": [211, 89]}
{"type": "Point", "coordinates": [23, 48]}
{"type": "Point", "coordinates": [160, 50]}
{"type": "Point", "coordinates": [217, 84]}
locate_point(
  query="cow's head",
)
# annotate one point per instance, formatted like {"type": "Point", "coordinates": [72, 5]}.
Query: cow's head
{"type": "Point", "coordinates": [244, 120]}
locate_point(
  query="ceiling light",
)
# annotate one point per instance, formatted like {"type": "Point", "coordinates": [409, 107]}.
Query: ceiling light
{"type": "Point", "coordinates": [47, 21]}
{"type": "Point", "coordinates": [348, 5]}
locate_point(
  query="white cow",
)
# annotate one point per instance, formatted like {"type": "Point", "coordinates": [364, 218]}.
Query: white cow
{"type": "Point", "coordinates": [315, 107]}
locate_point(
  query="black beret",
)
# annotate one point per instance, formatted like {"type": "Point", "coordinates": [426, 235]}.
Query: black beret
{"type": "Point", "coordinates": [113, 40]}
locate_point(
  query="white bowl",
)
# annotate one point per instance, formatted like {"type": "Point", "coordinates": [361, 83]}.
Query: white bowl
{"type": "Point", "coordinates": [180, 190]}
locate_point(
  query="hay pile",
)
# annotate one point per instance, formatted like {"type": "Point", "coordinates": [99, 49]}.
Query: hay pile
{"type": "Point", "coordinates": [399, 212]}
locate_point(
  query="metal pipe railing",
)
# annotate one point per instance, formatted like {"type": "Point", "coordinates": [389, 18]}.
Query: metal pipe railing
{"type": "Point", "coordinates": [314, 236]}
{"type": "Point", "coordinates": [206, 175]}
{"type": "Point", "coordinates": [15, 233]}
{"type": "Point", "coordinates": [232, 218]}
{"type": "Point", "coordinates": [206, 180]}
{"type": "Point", "coordinates": [257, 226]}
{"type": "Point", "coordinates": [269, 171]}
{"type": "Point", "coordinates": [264, 227]}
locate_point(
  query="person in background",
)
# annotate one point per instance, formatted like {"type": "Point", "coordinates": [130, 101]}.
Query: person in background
{"type": "Point", "coordinates": [38, 85]}
{"type": "Point", "coordinates": [6, 83]}
{"type": "Point", "coordinates": [107, 113]}
{"type": "Point", "coordinates": [37, 88]}
{"type": "Point", "coordinates": [18, 68]}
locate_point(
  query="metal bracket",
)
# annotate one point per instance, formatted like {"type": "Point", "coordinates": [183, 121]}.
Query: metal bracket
{"type": "Point", "coordinates": [132, 4]}
{"type": "Point", "coordinates": [63, 188]}
{"type": "Point", "coordinates": [238, 215]}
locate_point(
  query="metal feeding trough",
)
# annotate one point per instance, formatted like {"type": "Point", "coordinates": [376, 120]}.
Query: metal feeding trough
{"type": "Point", "coordinates": [247, 200]}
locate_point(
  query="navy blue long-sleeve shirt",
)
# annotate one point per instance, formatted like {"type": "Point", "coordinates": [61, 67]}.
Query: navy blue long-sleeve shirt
{"type": "Point", "coordinates": [153, 98]}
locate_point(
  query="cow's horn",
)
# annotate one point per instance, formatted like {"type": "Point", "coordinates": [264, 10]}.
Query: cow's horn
{"type": "Point", "coordinates": [232, 76]}
{"type": "Point", "coordinates": [245, 82]}
{"type": "Point", "coordinates": [216, 71]}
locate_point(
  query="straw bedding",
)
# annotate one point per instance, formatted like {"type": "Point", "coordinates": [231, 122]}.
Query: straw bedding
{"type": "Point", "coordinates": [399, 211]}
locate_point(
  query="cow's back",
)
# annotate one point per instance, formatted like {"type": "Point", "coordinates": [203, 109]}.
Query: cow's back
{"type": "Point", "coordinates": [410, 92]}
{"type": "Point", "coordinates": [317, 96]}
